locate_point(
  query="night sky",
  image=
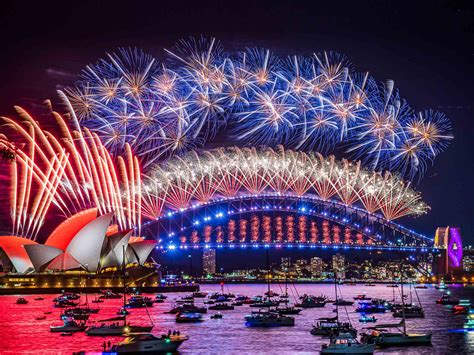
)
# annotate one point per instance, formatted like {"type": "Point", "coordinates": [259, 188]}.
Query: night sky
{"type": "Point", "coordinates": [425, 47]}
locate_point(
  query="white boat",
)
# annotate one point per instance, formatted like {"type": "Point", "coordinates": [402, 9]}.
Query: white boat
{"type": "Point", "coordinates": [68, 326]}
{"type": "Point", "coordinates": [268, 319]}
{"type": "Point", "coordinates": [346, 343]}
{"type": "Point", "coordinates": [117, 326]}
{"type": "Point", "coordinates": [148, 343]}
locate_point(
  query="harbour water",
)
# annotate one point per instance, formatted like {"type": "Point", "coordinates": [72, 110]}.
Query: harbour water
{"type": "Point", "coordinates": [21, 333]}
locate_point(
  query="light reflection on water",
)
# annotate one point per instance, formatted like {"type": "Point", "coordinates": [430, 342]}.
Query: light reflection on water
{"type": "Point", "coordinates": [21, 333]}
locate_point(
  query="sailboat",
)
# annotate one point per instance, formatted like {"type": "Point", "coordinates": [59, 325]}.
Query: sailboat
{"type": "Point", "coordinates": [119, 325]}
{"type": "Point", "coordinates": [346, 343]}
{"type": "Point", "coordinates": [288, 310]}
{"type": "Point", "coordinates": [412, 310]}
{"type": "Point", "coordinates": [332, 326]}
{"type": "Point", "coordinates": [383, 338]}
{"type": "Point", "coordinates": [268, 318]}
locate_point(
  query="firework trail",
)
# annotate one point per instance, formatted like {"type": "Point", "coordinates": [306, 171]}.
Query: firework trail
{"type": "Point", "coordinates": [74, 172]}
{"type": "Point", "coordinates": [256, 98]}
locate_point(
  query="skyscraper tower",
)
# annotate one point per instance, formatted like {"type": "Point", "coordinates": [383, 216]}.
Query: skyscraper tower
{"type": "Point", "coordinates": [209, 262]}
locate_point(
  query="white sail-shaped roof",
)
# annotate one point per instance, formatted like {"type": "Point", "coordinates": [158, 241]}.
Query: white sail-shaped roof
{"type": "Point", "coordinates": [86, 246]}
{"type": "Point", "coordinates": [40, 254]}
{"type": "Point", "coordinates": [116, 244]}
{"type": "Point", "coordinates": [142, 250]}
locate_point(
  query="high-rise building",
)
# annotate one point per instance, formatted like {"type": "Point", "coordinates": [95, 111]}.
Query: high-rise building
{"type": "Point", "coordinates": [285, 264]}
{"type": "Point", "coordinates": [209, 261]}
{"type": "Point", "coordinates": [316, 266]}
{"type": "Point", "coordinates": [449, 240]}
{"type": "Point", "coordinates": [301, 266]}
{"type": "Point", "coordinates": [338, 265]}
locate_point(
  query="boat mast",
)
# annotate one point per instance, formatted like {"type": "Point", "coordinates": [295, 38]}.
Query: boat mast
{"type": "Point", "coordinates": [335, 292]}
{"type": "Point", "coordinates": [403, 300]}
{"type": "Point", "coordinates": [268, 274]}
{"type": "Point", "coordinates": [123, 282]}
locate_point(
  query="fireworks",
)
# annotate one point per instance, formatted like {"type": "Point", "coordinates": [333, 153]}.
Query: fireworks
{"type": "Point", "coordinates": [227, 172]}
{"type": "Point", "coordinates": [74, 172]}
{"type": "Point", "coordinates": [254, 98]}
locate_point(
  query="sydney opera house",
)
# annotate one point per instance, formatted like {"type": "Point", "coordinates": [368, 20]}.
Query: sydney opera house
{"type": "Point", "coordinates": [85, 241]}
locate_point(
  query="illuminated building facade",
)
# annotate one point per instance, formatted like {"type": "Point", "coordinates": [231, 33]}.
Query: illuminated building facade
{"type": "Point", "coordinates": [338, 265]}
{"type": "Point", "coordinates": [450, 241]}
{"type": "Point", "coordinates": [209, 261]}
{"type": "Point", "coordinates": [316, 266]}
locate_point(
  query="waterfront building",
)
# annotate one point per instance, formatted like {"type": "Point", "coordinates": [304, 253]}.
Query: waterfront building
{"type": "Point", "coordinates": [316, 267]}
{"type": "Point", "coordinates": [338, 265]}
{"type": "Point", "coordinates": [209, 261]}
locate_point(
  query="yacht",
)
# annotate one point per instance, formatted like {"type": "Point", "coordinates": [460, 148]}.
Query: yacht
{"type": "Point", "coordinates": [199, 294]}
{"type": "Point", "coordinates": [411, 311]}
{"type": "Point", "coordinates": [342, 302]}
{"type": "Point", "coordinates": [221, 307]}
{"type": "Point", "coordinates": [267, 302]}
{"type": "Point", "coordinates": [139, 302]}
{"type": "Point", "coordinates": [365, 319]}
{"type": "Point", "coordinates": [189, 317]}
{"type": "Point", "coordinates": [188, 308]}
{"type": "Point", "coordinates": [148, 343]}
{"type": "Point", "coordinates": [268, 319]}
{"type": "Point", "coordinates": [446, 299]}
{"type": "Point", "coordinates": [312, 302]}
{"type": "Point", "coordinates": [218, 315]}
{"type": "Point", "coordinates": [21, 300]}
{"type": "Point", "coordinates": [384, 338]}
{"type": "Point", "coordinates": [288, 310]}
{"type": "Point", "coordinates": [331, 326]}
{"type": "Point", "coordinates": [68, 326]}
{"type": "Point", "coordinates": [371, 308]}
{"type": "Point", "coordinates": [346, 343]}
{"type": "Point", "coordinates": [117, 326]}
{"type": "Point", "coordinates": [108, 294]}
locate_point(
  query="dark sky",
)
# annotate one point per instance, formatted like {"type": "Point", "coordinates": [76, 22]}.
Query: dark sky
{"type": "Point", "coordinates": [426, 47]}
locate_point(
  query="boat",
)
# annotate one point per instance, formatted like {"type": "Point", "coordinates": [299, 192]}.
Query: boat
{"type": "Point", "coordinates": [216, 316]}
{"type": "Point", "coordinates": [346, 343]}
{"type": "Point", "coordinates": [209, 302]}
{"type": "Point", "coordinates": [381, 337]}
{"type": "Point", "coordinates": [139, 302]}
{"type": "Point", "coordinates": [266, 303]}
{"type": "Point", "coordinates": [79, 313]}
{"type": "Point", "coordinates": [271, 293]}
{"type": "Point", "coordinates": [312, 302]}
{"type": "Point", "coordinates": [199, 294]}
{"type": "Point", "coordinates": [242, 298]}
{"type": "Point", "coordinates": [238, 304]}
{"type": "Point", "coordinates": [160, 296]}
{"type": "Point", "coordinates": [421, 286]}
{"type": "Point", "coordinates": [39, 299]}
{"type": "Point", "coordinates": [21, 300]}
{"type": "Point", "coordinates": [332, 326]}
{"type": "Point", "coordinates": [392, 285]}
{"type": "Point", "coordinates": [364, 319]}
{"type": "Point", "coordinates": [221, 307]}
{"type": "Point", "coordinates": [148, 343]}
{"type": "Point", "coordinates": [108, 294]}
{"type": "Point", "coordinates": [288, 310]}
{"type": "Point", "coordinates": [65, 334]}
{"type": "Point", "coordinates": [268, 319]}
{"type": "Point", "coordinates": [342, 302]}
{"type": "Point", "coordinates": [64, 303]}
{"type": "Point", "coordinates": [411, 311]}
{"type": "Point", "coordinates": [47, 312]}
{"type": "Point", "coordinates": [188, 308]}
{"type": "Point", "coordinates": [362, 297]}
{"type": "Point", "coordinates": [116, 326]}
{"type": "Point", "coordinates": [189, 317]}
{"type": "Point", "coordinates": [123, 311]}
{"type": "Point", "coordinates": [370, 285]}
{"type": "Point", "coordinates": [463, 307]}
{"type": "Point", "coordinates": [97, 300]}
{"type": "Point", "coordinates": [469, 324]}
{"type": "Point", "coordinates": [446, 299]}
{"type": "Point", "coordinates": [69, 325]}
{"type": "Point", "coordinates": [370, 308]}
{"type": "Point", "coordinates": [441, 285]}
{"type": "Point", "coordinates": [40, 318]}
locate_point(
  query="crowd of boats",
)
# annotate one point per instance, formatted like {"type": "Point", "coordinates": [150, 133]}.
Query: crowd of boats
{"type": "Point", "coordinates": [268, 310]}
